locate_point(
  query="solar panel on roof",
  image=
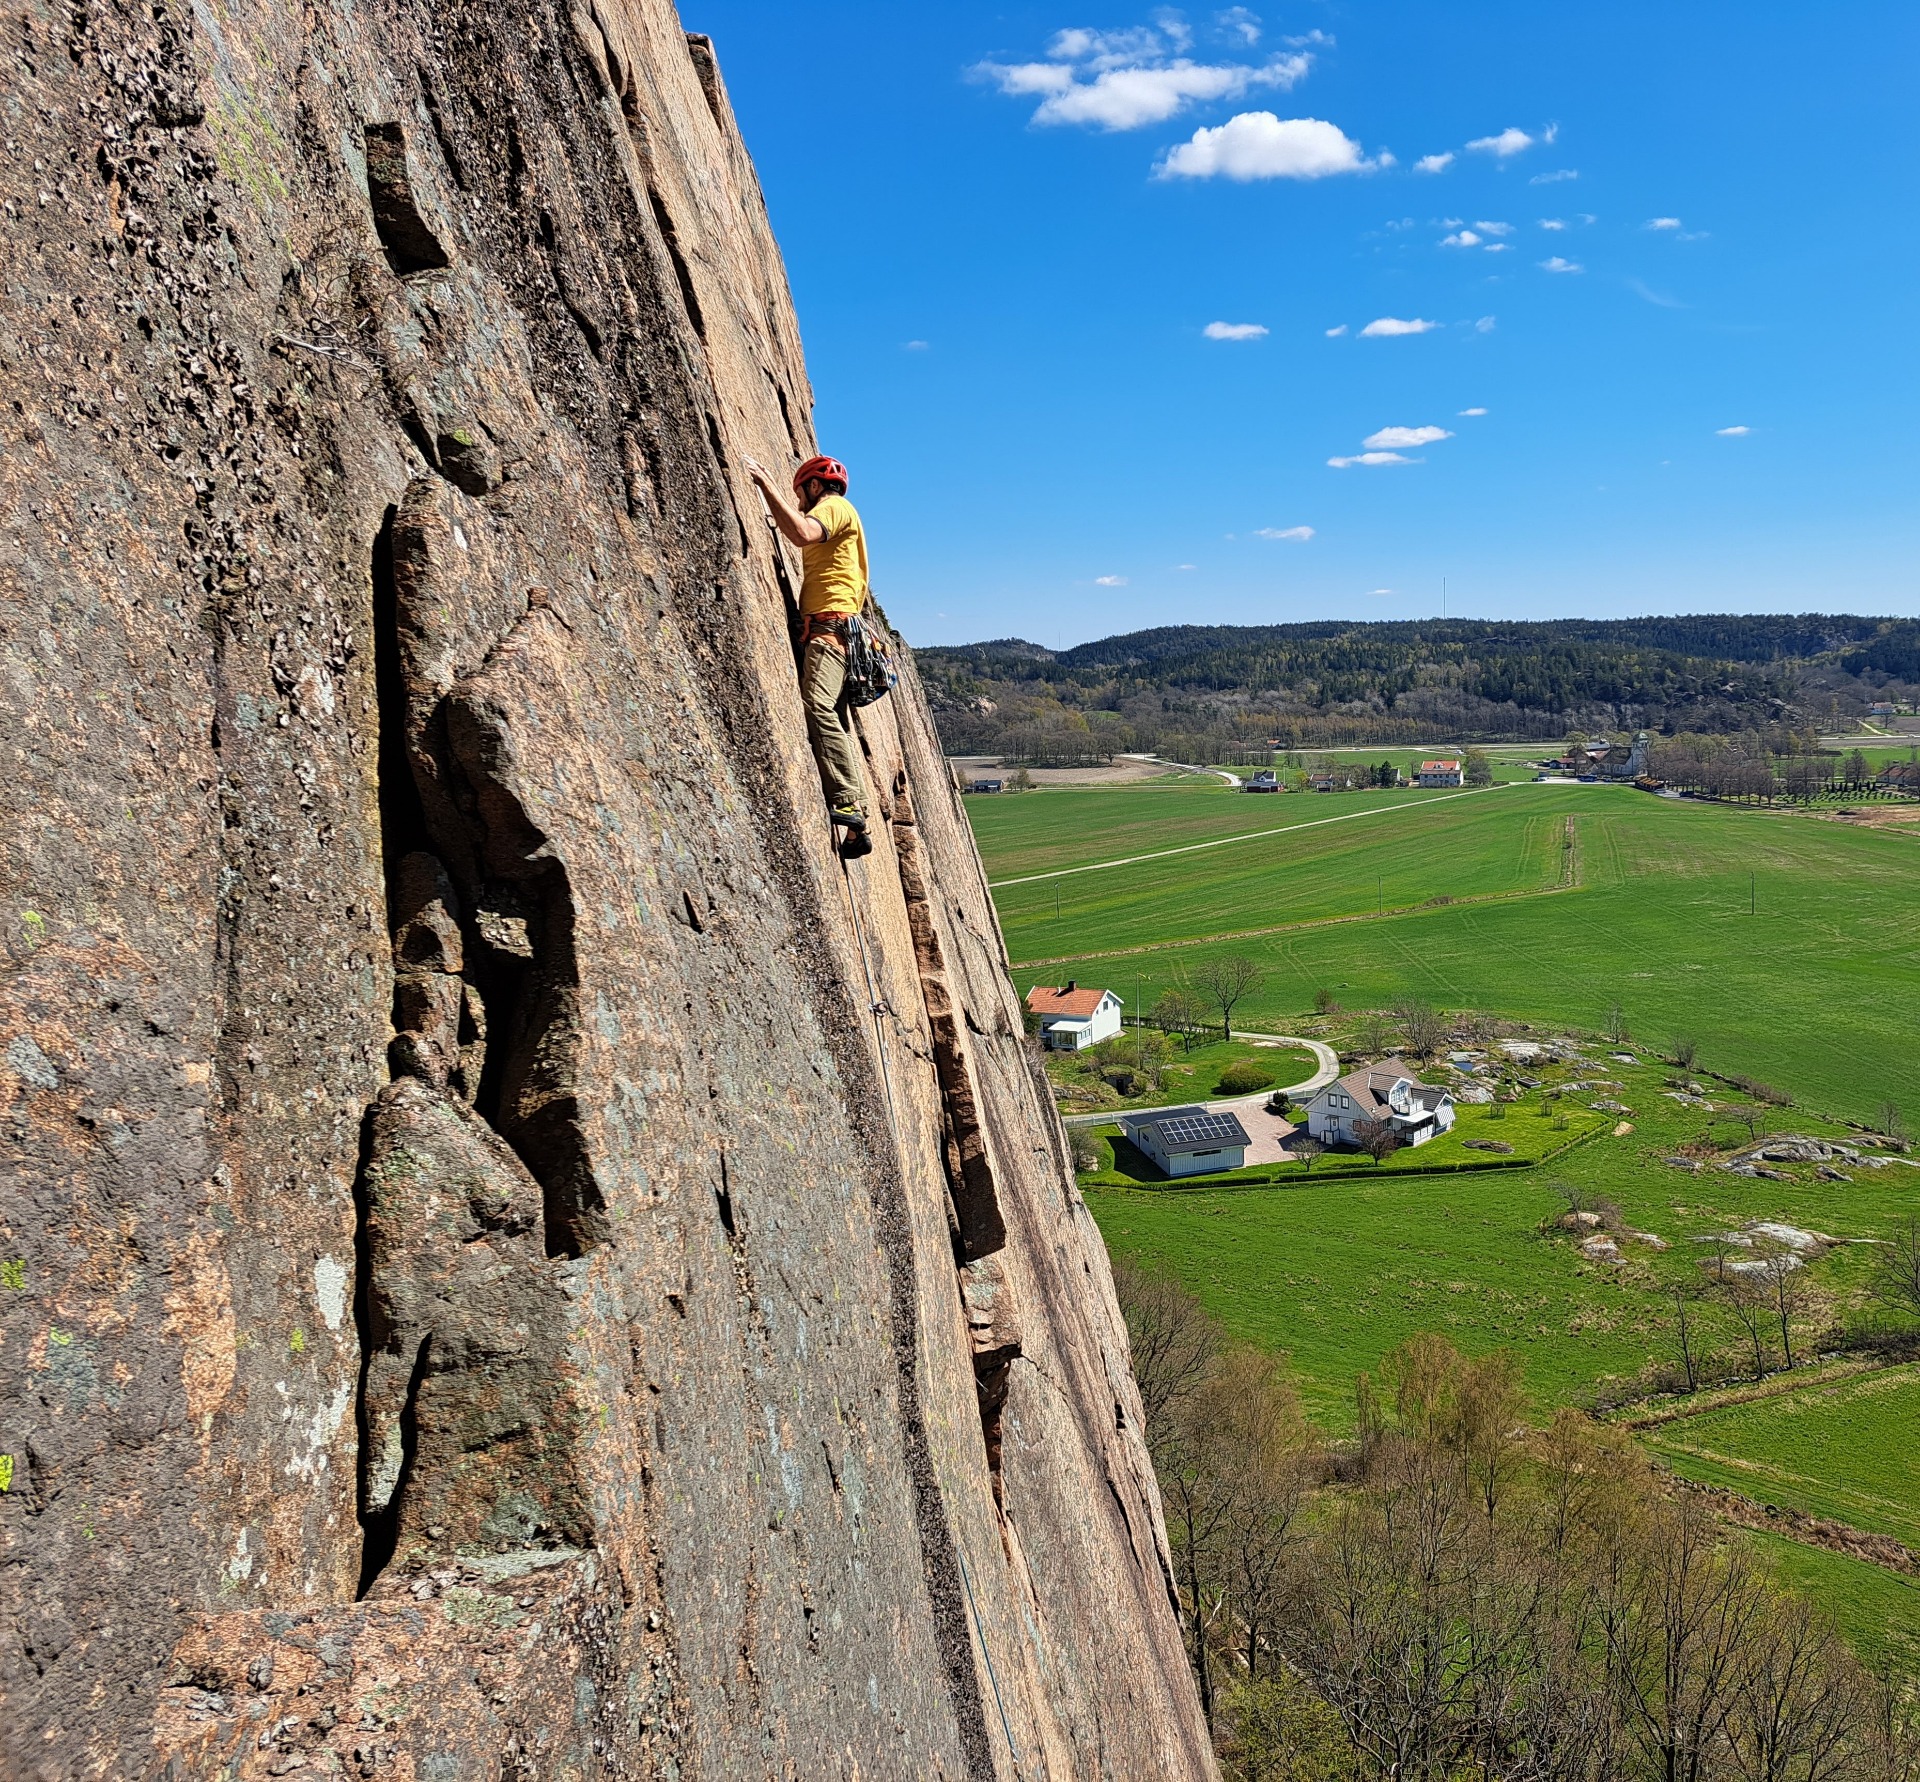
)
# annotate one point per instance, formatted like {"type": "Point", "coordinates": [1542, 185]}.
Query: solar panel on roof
{"type": "Point", "coordinates": [1201, 1129]}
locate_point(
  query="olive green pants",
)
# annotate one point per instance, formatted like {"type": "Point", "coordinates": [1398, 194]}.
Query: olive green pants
{"type": "Point", "coordinates": [823, 675]}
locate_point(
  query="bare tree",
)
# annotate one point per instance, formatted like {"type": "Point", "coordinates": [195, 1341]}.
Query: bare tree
{"type": "Point", "coordinates": [1616, 1027]}
{"type": "Point", "coordinates": [1372, 1035]}
{"type": "Point", "coordinates": [1421, 1026]}
{"type": "Point", "coordinates": [1896, 1268]}
{"type": "Point", "coordinates": [1173, 1336]}
{"type": "Point", "coordinates": [1685, 1294]}
{"type": "Point", "coordinates": [1786, 1285]}
{"type": "Point", "coordinates": [1179, 1010]}
{"type": "Point", "coordinates": [1226, 981]}
{"type": "Point", "coordinates": [1686, 1049]}
{"type": "Point", "coordinates": [1891, 1123]}
{"type": "Point", "coordinates": [1378, 1138]}
{"type": "Point", "coordinates": [1308, 1149]}
{"type": "Point", "coordinates": [1750, 1299]}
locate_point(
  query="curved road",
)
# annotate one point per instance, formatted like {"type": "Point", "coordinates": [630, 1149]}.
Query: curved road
{"type": "Point", "coordinates": [1325, 1057]}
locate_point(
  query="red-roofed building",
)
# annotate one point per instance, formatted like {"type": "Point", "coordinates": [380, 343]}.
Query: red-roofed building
{"type": "Point", "coordinates": [1439, 773]}
{"type": "Point", "coordinates": [1073, 1017]}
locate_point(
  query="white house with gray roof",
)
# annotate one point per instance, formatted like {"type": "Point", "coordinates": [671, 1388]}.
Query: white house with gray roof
{"type": "Point", "coordinates": [1386, 1091]}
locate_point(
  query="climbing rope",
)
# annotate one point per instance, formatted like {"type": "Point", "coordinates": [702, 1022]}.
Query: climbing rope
{"type": "Point", "coordinates": [1006, 1726]}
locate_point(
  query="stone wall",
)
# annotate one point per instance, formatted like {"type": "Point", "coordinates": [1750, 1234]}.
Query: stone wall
{"type": "Point", "coordinates": [516, 1262]}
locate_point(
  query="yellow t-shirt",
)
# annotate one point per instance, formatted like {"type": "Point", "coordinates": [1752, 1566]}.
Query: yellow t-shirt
{"type": "Point", "coordinates": [834, 571]}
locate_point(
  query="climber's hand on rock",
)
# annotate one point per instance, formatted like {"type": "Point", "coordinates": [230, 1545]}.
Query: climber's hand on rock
{"type": "Point", "coordinates": [757, 471]}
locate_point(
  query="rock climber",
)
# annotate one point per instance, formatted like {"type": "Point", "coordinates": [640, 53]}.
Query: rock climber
{"type": "Point", "coordinates": [833, 589]}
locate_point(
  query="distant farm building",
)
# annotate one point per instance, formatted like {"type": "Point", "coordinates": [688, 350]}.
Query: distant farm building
{"type": "Point", "coordinates": [1439, 773]}
{"type": "Point", "coordinates": [1387, 1091]}
{"type": "Point", "coordinates": [1189, 1141]}
{"type": "Point", "coordinates": [1071, 1018]}
{"type": "Point", "coordinates": [1899, 776]}
{"type": "Point", "coordinates": [986, 785]}
{"type": "Point", "coordinates": [1266, 780]}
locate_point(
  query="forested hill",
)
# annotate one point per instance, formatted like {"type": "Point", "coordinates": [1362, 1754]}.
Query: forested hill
{"type": "Point", "coordinates": [1325, 682]}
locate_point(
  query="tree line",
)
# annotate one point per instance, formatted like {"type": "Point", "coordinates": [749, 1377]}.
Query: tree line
{"type": "Point", "coordinates": [1455, 1593]}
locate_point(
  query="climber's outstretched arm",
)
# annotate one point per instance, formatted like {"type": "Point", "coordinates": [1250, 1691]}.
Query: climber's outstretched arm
{"type": "Point", "coordinates": [795, 527]}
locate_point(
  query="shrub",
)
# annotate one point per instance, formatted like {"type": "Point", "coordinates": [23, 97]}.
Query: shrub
{"type": "Point", "coordinates": [1324, 1003]}
{"type": "Point", "coordinates": [1685, 1050]}
{"type": "Point", "coordinates": [1085, 1148]}
{"type": "Point", "coordinates": [1245, 1077]}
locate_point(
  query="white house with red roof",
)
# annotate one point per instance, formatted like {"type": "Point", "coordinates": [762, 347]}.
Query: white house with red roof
{"type": "Point", "coordinates": [1439, 773]}
{"type": "Point", "coordinates": [1074, 1016]}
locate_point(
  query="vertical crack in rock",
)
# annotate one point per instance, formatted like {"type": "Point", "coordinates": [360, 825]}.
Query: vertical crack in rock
{"type": "Point", "coordinates": [670, 238]}
{"type": "Point", "coordinates": [404, 231]}
{"type": "Point", "coordinates": [466, 1389]}
{"type": "Point", "coordinates": [981, 1229]}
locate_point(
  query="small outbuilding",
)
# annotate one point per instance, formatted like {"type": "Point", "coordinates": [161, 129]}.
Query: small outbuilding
{"type": "Point", "coordinates": [1072, 1016]}
{"type": "Point", "coordinates": [986, 785]}
{"type": "Point", "coordinates": [1189, 1141]}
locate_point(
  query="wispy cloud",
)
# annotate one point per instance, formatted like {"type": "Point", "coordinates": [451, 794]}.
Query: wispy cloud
{"type": "Point", "coordinates": [1660, 298]}
{"type": "Point", "coordinates": [1258, 145]}
{"type": "Point", "coordinates": [1335, 333]}
{"type": "Point", "coordinates": [1554, 178]}
{"type": "Point", "coordinates": [1239, 22]}
{"type": "Point", "coordinates": [1401, 439]}
{"type": "Point", "coordinates": [1555, 223]}
{"type": "Point", "coordinates": [1674, 229]}
{"type": "Point", "coordinates": [1186, 566]}
{"type": "Point", "coordinates": [1560, 264]}
{"type": "Point", "coordinates": [1494, 228]}
{"type": "Point", "coordinates": [1506, 145]}
{"type": "Point", "coordinates": [1381, 593]}
{"type": "Point", "coordinates": [1434, 163]}
{"type": "Point", "coordinates": [1733, 432]}
{"type": "Point", "coordinates": [913, 346]}
{"type": "Point", "coordinates": [1109, 581]}
{"type": "Point", "coordinates": [1122, 80]}
{"type": "Point", "coordinates": [1292, 534]}
{"type": "Point", "coordinates": [1370, 459]}
{"type": "Point", "coordinates": [1389, 327]}
{"type": "Point", "coordinates": [1485, 325]}
{"type": "Point", "coordinates": [1472, 412]}
{"type": "Point", "coordinates": [1234, 331]}
{"type": "Point", "coordinates": [1663, 222]}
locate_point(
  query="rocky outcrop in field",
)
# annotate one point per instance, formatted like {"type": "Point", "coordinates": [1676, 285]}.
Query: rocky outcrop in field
{"type": "Point", "coordinates": [516, 1263]}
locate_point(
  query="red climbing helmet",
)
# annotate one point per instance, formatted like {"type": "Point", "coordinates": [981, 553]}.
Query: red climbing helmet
{"type": "Point", "coordinates": [828, 470]}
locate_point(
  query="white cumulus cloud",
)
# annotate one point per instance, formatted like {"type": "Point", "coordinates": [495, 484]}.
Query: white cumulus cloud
{"type": "Point", "coordinates": [1473, 411]}
{"type": "Point", "coordinates": [1234, 331]}
{"type": "Point", "coordinates": [1109, 581]}
{"type": "Point", "coordinates": [1554, 223]}
{"type": "Point", "coordinates": [1370, 459]}
{"type": "Point", "coordinates": [1462, 238]}
{"type": "Point", "coordinates": [1258, 145]}
{"type": "Point", "coordinates": [1508, 143]}
{"type": "Point", "coordinates": [1293, 534]}
{"type": "Point", "coordinates": [1663, 222]}
{"type": "Point", "coordinates": [1388, 327]}
{"type": "Point", "coordinates": [1123, 80]}
{"type": "Point", "coordinates": [1494, 228]}
{"type": "Point", "coordinates": [1433, 163]}
{"type": "Point", "coordinates": [1392, 439]}
{"type": "Point", "coordinates": [1733, 432]}
{"type": "Point", "coordinates": [1560, 264]}
{"type": "Point", "coordinates": [1335, 333]}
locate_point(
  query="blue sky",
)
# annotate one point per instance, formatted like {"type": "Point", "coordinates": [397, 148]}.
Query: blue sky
{"type": "Point", "coordinates": [1010, 231]}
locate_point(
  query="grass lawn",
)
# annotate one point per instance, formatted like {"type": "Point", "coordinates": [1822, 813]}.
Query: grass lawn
{"type": "Point", "coordinates": [1850, 1451]}
{"type": "Point", "coordinates": [1876, 1611]}
{"type": "Point", "coordinates": [1566, 900]}
{"type": "Point", "coordinates": [1195, 1075]}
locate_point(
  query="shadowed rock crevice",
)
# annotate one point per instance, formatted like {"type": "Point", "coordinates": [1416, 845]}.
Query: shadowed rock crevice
{"type": "Point", "coordinates": [410, 242]}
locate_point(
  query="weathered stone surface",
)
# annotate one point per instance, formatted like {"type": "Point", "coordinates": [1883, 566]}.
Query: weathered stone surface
{"type": "Point", "coordinates": [514, 1261]}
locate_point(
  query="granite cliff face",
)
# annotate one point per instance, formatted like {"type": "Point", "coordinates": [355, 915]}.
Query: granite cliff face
{"type": "Point", "coordinates": [515, 1262]}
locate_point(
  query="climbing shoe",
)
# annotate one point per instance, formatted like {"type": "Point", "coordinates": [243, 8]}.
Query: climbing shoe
{"type": "Point", "coordinates": [846, 817]}
{"type": "Point", "coordinates": [858, 842]}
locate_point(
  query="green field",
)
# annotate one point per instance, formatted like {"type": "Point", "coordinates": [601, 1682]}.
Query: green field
{"type": "Point", "coordinates": [1850, 1451]}
{"type": "Point", "coordinates": [1787, 945]}
{"type": "Point", "coordinates": [1876, 1611]}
